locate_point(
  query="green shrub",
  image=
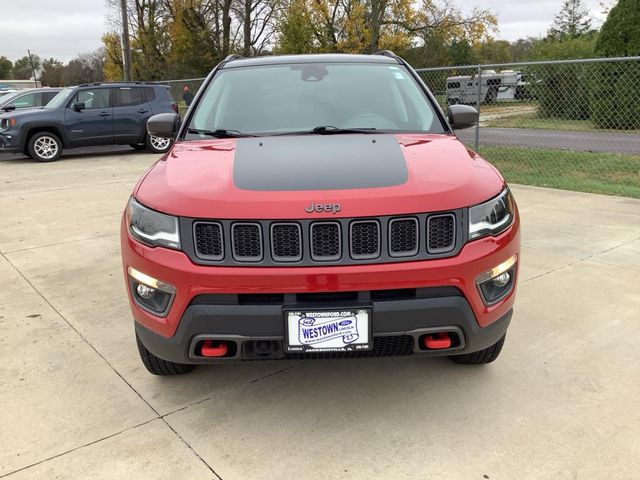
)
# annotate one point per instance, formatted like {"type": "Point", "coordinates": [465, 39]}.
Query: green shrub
{"type": "Point", "coordinates": [615, 95]}
{"type": "Point", "coordinates": [562, 90]}
{"type": "Point", "coordinates": [615, 90]}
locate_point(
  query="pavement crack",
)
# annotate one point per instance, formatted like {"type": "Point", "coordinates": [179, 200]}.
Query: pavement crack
{"type": "Point", "coordinates": [60, 243]}
{"type": "Point", "coordinates": [282, 370]}
{"type": "Point", "coordinates": [93, 442]}
{"type": "Point", "coordinates": [85, 340]}
{"type": "Point", "coordinates": [582, 259]}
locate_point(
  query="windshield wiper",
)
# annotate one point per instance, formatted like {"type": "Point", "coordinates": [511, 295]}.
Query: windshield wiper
{"type": "Point", "coordinates": [330, 130]}
{"type": "Point", "coordinates": [219, 133]}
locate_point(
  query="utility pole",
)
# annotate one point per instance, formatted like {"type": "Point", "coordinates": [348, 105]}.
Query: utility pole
{"type": "Point", "coordinates": [126, 46]}
{"type": "Point", "coordinates": [33, 68]}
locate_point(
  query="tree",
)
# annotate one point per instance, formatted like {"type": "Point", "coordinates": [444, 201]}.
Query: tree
{"type": "Point", "coordinates": [615, 87]}
{"type": "Point", "coordinates": [258, 24]}
{"type": "Point", "coordinates": [620, 34]}
{"type": "Point", "coordinates": [23, 67]}
{"type": "Point", "coordinates": [86, 68]}
{"type": "Point", "coordinates": [521, 49]}
{"type": "Point", "coordinates": [563, 90]}
{"type": "Point", "coordinates": [52, 73]}
{"type": "Point", "coordinates": [5, 68]}
{"type": "Point", "coordinates": [572, 21]}
{"type": "Point", "coordinates": [361, 26]}
{"type": "Point", "coordinates": [113, 64]}
{"type": "Point", "coordinates": [188, 28]}
{"type": "Point", "coordinates": [296, 30]}
{"type": "Point", "coordinates": [461, 53]}
{"type": "Point", "coordinates": [494, 51]}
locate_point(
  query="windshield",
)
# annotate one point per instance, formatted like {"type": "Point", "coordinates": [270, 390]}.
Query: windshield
{"type": "Point", "coordinates": [8, 96]}
{"type": "Point", "coordinates": [60, 98]}
{"type": "Point", "coordinates": [278, 99]}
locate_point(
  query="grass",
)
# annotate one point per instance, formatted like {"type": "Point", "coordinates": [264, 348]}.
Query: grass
{"type": "Point", "coordinates": [605, 173]}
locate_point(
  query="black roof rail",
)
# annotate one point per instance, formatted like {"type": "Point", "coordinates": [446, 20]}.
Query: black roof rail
{"type": "Point", "coordinates": [386, 53]}
{"type": "Point", "coordinates": [232, 57]}
{"type": "Point", "coordinates": [137, 82]}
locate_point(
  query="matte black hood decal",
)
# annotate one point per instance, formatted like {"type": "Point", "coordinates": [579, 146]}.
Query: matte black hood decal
{"type": "Point", "coordinates": [318, 162]}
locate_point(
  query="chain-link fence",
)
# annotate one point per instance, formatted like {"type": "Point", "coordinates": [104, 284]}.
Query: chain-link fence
{"type": "Point", "coordinates": [571, 124]}
{"type": "Point", "coordinates": [178, 90]}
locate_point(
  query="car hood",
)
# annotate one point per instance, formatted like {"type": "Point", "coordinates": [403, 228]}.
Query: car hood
{"type": "Point", "coordinates": [281, 177]}
{"type": "Point", "coordinates": [23, 113]}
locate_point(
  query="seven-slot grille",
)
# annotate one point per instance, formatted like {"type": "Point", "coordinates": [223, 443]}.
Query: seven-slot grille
{"type": "Point", "coordinates": [365, 239]}
{"type": "Point", "coordinates": [208, 240]}
{"type": "Point", "coordinates": [340, 241]}
{"type": "Point", "coordinates": [325, 241]}
{"type": "Point", "coordinates": [403, 237]}
{"type": "Point", "coordinates": [441, 233]}
{"type": "Point", "coordinates": [246, 239]}
{"type": "Point", "coordinates": [286, 242]}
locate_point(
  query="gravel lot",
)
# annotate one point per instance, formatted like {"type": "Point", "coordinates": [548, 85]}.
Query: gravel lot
{"type": "Point", "coordinates": [560, 403]}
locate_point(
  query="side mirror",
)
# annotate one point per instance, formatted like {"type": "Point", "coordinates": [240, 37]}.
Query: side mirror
{"type": "Point", "coordinates": [463, 116]}
{"type": "Point", "coordinates": [9, 108]}
{"type": "Point", "coordinates": [164, 125]}
{"type": "Point", "coordinates": [79, 106]}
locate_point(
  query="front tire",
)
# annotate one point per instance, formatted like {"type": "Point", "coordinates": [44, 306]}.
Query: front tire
{"type": "Point", "coordinates": [158, 366]}
{"type": "Point", "coordinates": [487, 355]}
{"type": "Point", "coordinates": [44, 147]}
{"type": "Point", "coordinates": [157, 144]}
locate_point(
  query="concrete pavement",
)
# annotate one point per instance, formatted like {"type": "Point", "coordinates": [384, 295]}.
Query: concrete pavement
{"type": "Point", "coordinates": [560, 402]}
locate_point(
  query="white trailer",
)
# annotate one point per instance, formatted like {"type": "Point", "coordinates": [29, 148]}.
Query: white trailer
{"type": "Point", "coordinates": [506, 85]}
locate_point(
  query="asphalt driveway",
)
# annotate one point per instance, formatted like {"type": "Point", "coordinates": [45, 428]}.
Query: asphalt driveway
{"type": "Point", "coordinates": [560, 403]}
{"type": "Point", "coordinates": [614, 142]}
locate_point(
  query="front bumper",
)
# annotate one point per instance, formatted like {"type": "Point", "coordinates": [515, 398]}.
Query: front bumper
{"type": "Point", "coordinates": [10, 143]}
{"type": "Point", "coordinates": [171, 337]}
{"type": "Point", "coordinates": [398, 327]}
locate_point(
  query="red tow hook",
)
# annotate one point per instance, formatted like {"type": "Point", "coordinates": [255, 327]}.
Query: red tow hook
{"type": "Point", "coordinates": [211, 350]}
{"type": "Point", "coordinates": [437, 341]}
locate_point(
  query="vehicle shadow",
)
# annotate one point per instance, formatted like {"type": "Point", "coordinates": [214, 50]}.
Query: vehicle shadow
{"type": "Point", "coordinates": [75, 154]}
{"type": "Point", "coordinates": [377, 406]}
{"type": "Point", "coordinates": [311, 387]}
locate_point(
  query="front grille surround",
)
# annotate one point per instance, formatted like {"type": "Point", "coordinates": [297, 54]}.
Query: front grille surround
{"type": "Point", "coordinates": [361, 241]}
{"type": "Point", "coordinates": [268, 260]}
{"type": "Point", "coordinates": [326, 241]}
{"type": "Point", "coordinates": [395, 248]}
{"type": "Point", "coordinates": [246, 249]}
{"type": "Point", "coordinates": [288, 250]}
{"type": "Point", "coordinates": [439, 239]}
{"type": "Point", "coordinates": [212, 247]}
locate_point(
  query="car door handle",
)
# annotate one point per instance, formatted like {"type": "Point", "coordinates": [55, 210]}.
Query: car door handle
{"type": "Point", "coordinates": [104, 114]}
{"type": "Point", "coordinates": [142, 110]}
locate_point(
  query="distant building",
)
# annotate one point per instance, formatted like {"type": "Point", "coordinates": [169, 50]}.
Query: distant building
{"type": "Point", "coordinates": [18, 84]}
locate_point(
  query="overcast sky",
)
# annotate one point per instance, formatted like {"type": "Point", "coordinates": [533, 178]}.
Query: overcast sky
{"type": "Point", "coordinates": [66, 28]}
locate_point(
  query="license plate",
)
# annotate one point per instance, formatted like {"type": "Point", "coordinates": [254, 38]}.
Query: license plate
{"type": "Point", "coordinates": [337, 330]}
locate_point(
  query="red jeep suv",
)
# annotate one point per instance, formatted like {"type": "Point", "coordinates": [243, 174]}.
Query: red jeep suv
{"type": "Point", "coordinates": [318, 206]}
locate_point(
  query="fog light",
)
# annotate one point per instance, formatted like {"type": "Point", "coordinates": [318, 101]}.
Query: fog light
{"type": "Point", "coordinates": [502, 280]}
{"type": "Point", "coordinates": [149, 293]}
{"type": "Point", "coordinates": [496, 283]}
{"type": "Point", "coordinates": [144, 291]}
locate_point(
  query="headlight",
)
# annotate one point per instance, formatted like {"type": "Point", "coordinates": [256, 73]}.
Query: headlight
{"type": "Point", "coordinates": [492, 217]}
{"type": "Point", "coordinates": [7, 123]}
{"type": "Point", "coordinates": [151, 227]}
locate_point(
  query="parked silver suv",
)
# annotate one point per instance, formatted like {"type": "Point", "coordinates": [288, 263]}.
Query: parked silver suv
{"type": "Point", "coordinates": [27, 98]}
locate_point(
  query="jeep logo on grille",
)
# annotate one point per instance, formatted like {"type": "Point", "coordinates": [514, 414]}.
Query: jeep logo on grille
{"type": "Point", "coordinates": [323, 207]}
